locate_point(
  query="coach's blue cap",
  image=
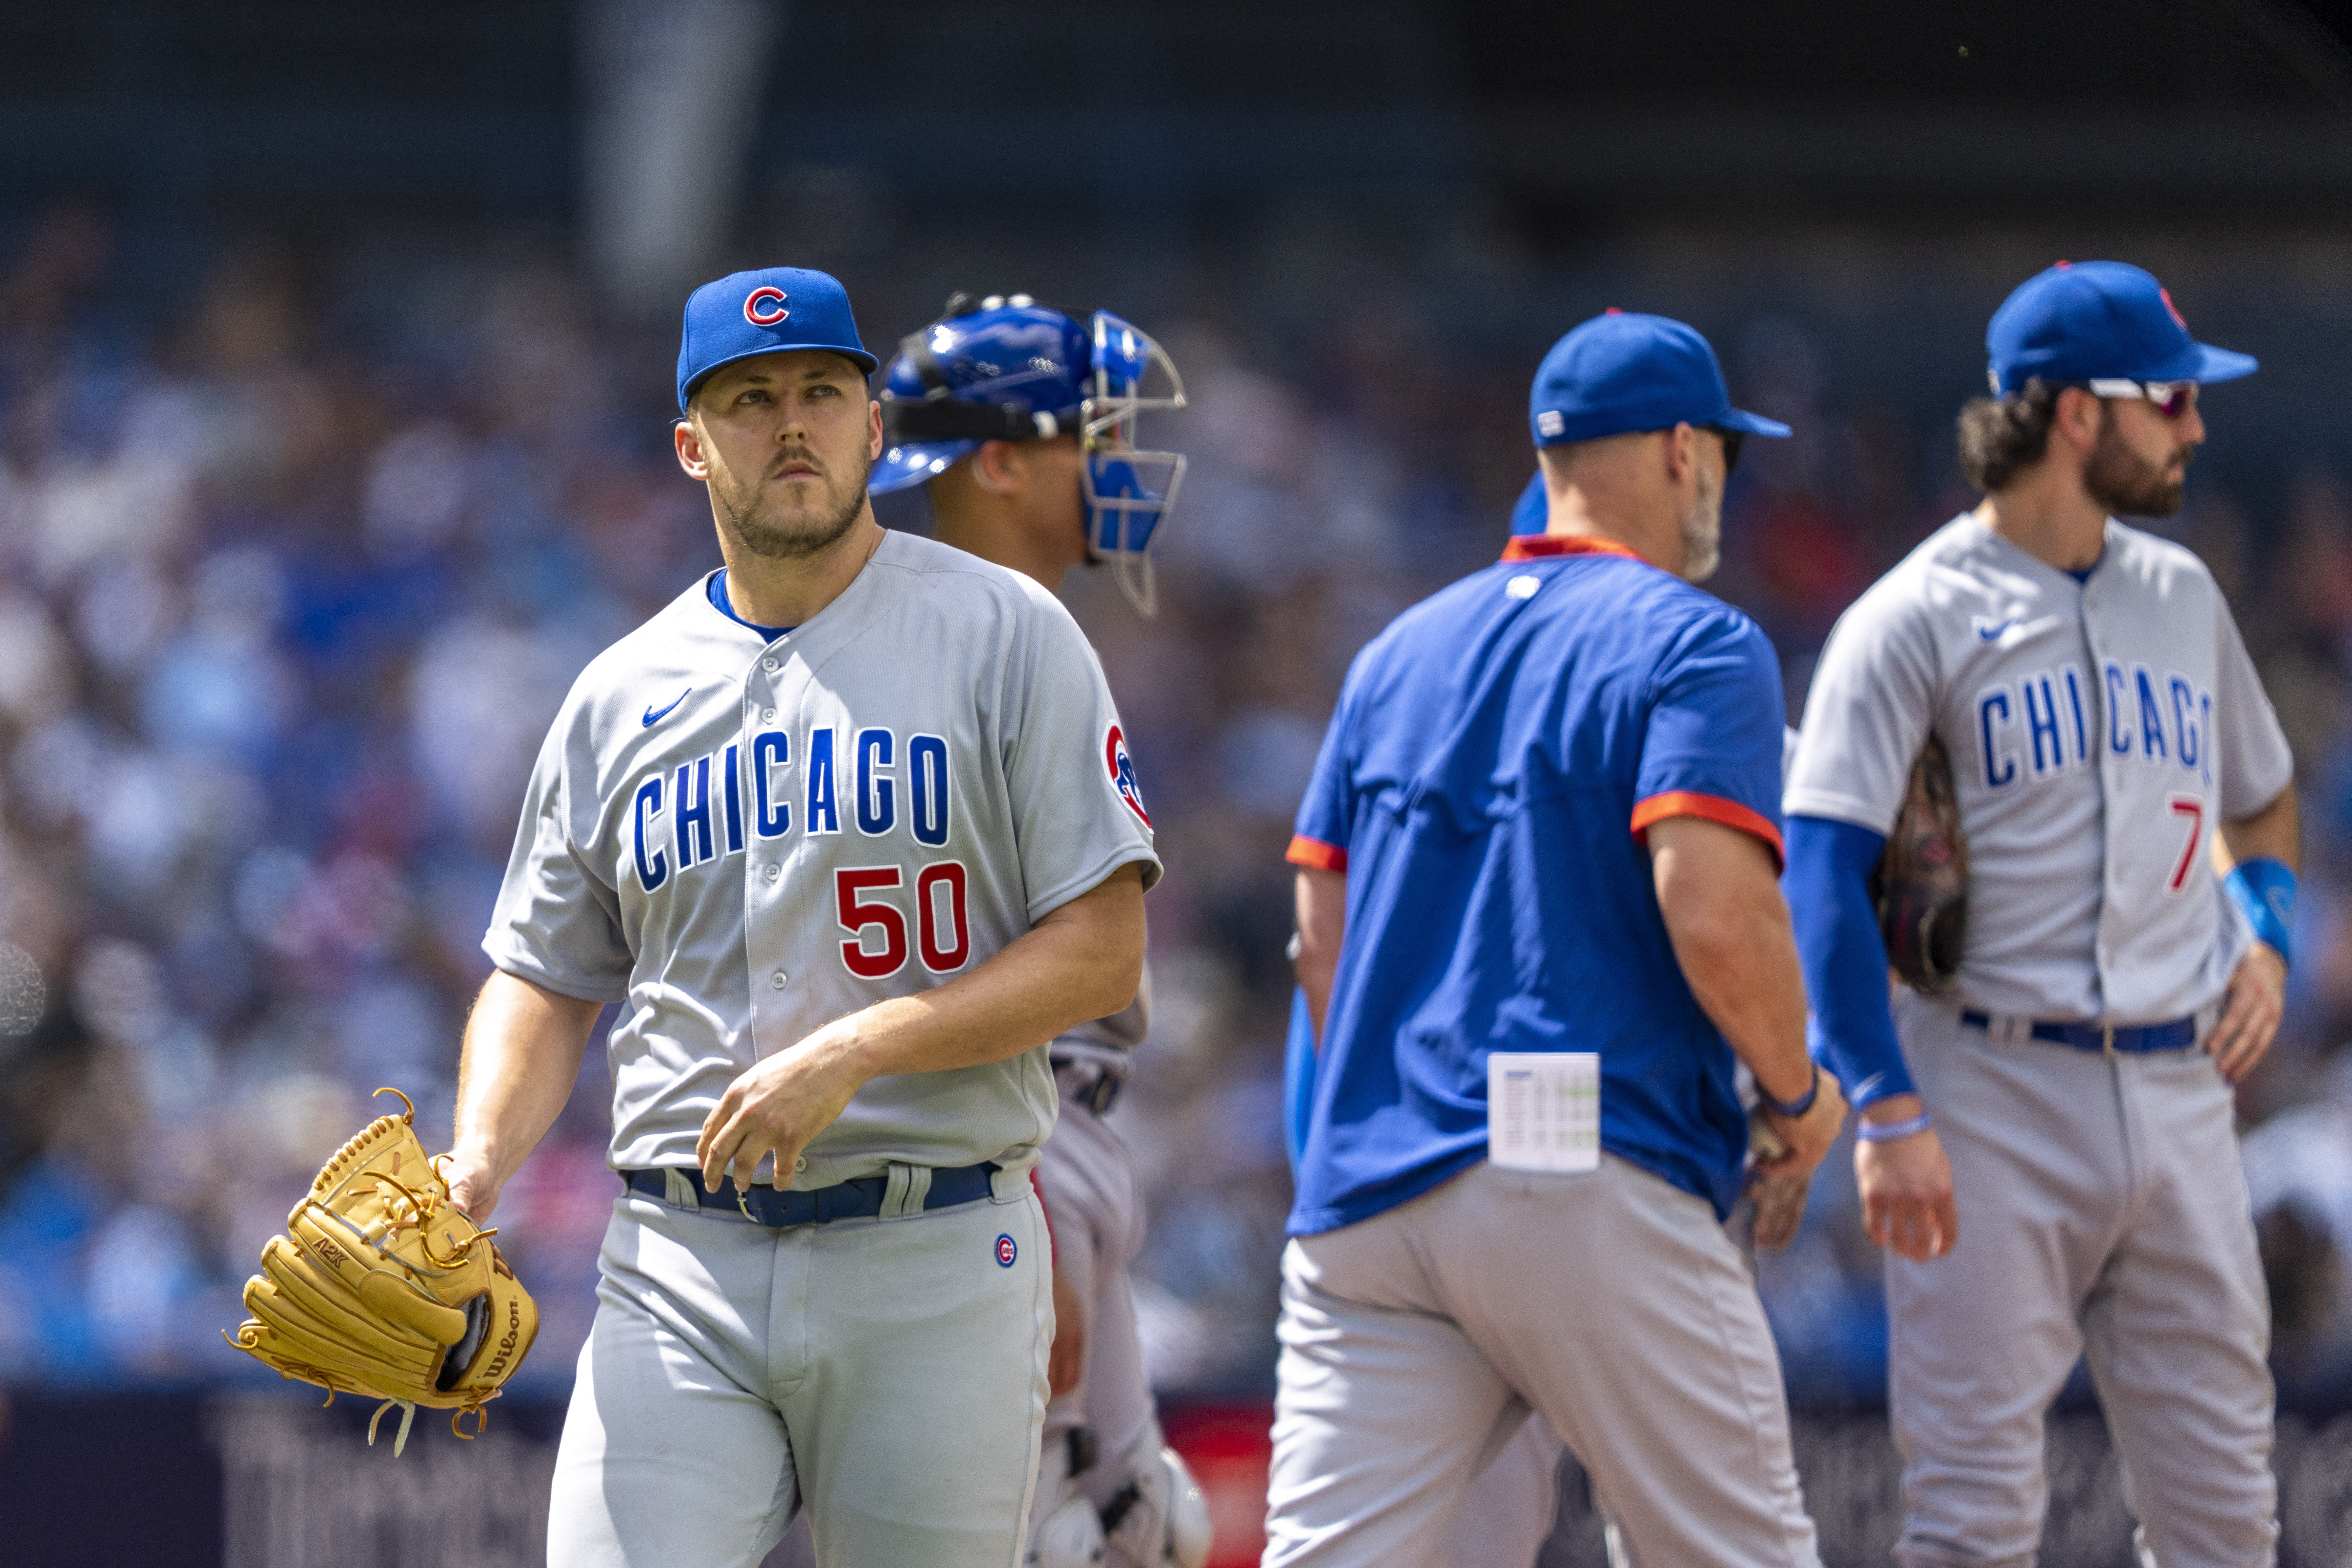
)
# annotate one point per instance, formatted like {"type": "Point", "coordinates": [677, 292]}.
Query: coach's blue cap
{"type": "Point", "coordinates": [772, 310]}
{"type": "Point", "coordinates": [2082, 321]}
{"type": "Point", "coordinates": [1531, 514]}
{"type": "Point", "coordinates": [1621, 372]}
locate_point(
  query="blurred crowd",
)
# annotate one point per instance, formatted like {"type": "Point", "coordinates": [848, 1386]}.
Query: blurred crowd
{"type": "Point", "coordinates": [295, 566]}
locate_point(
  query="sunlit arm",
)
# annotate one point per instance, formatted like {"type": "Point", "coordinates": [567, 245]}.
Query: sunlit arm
{"type": "Point", "coordinates": [523, 1045]}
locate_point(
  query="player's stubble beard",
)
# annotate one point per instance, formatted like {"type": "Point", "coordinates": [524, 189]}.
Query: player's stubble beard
{"type": "Point", "coordinates": [1703, 531]}
{"type": "Point", "coordinates": [757, 527]}
{"type": "Point", "coordinates": [2126, 484]}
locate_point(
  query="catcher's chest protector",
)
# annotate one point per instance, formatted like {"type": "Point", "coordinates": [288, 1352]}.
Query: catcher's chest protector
{"type": "Point", "coordinates": [382, 1287]}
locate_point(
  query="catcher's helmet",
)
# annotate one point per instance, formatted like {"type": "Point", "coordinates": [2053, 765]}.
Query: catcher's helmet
{"type": "Point", "coordinates": [1009, 369]}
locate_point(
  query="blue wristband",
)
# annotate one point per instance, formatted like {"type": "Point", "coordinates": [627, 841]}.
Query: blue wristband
{"type": "Point", "coordinates": [1796, 1108]}
{"type": "Point", "coordinates": [2263, 891]}
{"type": "Point", "coordinates": [1888, 1132]}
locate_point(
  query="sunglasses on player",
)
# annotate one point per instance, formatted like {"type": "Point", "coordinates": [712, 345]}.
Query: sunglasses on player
{"type": "Point", "coordinates": [2172, 398]}
{"type": "Point", "coordinates": [1731, 439]}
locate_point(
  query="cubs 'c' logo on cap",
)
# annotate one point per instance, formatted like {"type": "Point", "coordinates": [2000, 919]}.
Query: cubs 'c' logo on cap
{"type": "Point", "coordinates": [764, 306]}
{"type": "Point", "coordinates": [2178, 319]}
{"type": "Point", "coordinates": [1122, 773]}
{"type": "Point", "coordinates": [1006, 1252]}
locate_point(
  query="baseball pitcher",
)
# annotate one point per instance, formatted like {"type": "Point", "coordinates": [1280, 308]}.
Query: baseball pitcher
{"type": "Point", "coordinates": [848, 833]}
{"type": "Point", "coordinates": [2047, 1150]}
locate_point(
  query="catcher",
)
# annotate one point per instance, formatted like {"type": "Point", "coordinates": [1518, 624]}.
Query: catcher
{"type": "Point", "coordinates": [383, 1288]}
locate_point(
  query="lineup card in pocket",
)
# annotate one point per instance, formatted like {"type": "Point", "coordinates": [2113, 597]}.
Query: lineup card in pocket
{"type": "Point", "coordinates": [1543, 1110]}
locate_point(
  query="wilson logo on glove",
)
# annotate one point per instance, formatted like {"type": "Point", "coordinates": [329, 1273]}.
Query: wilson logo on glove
{"type": "Point", "coordinates": [384, 1287]}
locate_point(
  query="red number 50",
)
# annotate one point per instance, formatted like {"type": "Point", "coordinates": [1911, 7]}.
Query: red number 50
{"type": "Point", "coordinates": [945, 934]}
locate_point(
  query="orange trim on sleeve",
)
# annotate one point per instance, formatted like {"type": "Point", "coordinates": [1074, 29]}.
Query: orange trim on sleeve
{"type": "Point", "coordinates": [1316, 855]}
{"type": "Point", "coordinates": [1712, 809]}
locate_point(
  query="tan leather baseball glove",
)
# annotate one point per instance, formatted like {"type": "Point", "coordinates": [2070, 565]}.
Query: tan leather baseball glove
{"type": "Point", "coordinates": [382, 1286]}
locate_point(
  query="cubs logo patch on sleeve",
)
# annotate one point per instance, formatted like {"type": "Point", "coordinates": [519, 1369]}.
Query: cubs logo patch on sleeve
{"type": "Point", "coordinates": [1122, 773]}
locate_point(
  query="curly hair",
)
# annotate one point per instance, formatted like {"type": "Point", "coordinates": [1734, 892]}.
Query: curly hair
{"type": "Point", "coordinates": [2003, 436]}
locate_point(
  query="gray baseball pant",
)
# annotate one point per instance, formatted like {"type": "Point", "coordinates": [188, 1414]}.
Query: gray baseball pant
{"type": "Point", "coordinates": [887, 1375]}
{"type": "Point", "coordinates": [2102, 1214]}
{"type": "Point", "coordinates": [1414, 1344]}
{"type": "Point", "coordinates": [1096, 1202]}
{"type": "Point", "coordinates": [1506, 1512]}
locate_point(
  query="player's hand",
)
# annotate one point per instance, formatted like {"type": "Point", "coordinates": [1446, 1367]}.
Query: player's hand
{"type": "Point", "coordinates": [776, 1107]}
{"type": "Point", "coordinates": [1907, 1186]}
{"type": "Point", "coordinates": [1066, 1361]}
{"type": "Point", "coordinates": [2249, 1012]}
{"type": "Point", "coordinates": [1807, 1136]}
{"type": "Point", "coordinates": [473, 1182]}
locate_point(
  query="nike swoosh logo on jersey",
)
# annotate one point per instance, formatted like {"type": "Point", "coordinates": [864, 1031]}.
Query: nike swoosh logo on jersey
{"type": "Point", "coordinates": [1991, 630]}
{"type": "Point", "coordinates": [654, 716]}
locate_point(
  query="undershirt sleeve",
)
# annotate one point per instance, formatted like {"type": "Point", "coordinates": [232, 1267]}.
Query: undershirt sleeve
{"type": "Point", "coordinates": [1851, 1029]}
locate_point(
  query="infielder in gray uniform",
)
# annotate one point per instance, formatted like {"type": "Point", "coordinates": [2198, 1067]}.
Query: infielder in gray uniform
{"type": "Point", "coordinates": [1016, 418]}
{"type": "Point", "coordinates": [848, 832]}
{"type": "Point", "coordinates": [2048, 1152]}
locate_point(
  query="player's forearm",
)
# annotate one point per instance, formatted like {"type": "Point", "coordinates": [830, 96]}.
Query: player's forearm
{"type": "Point", "coordinates": [1082, 962]}
{"type": "Point", "coordinates": [1321, 902]}
{"type": "Point", "coordinates": [523, 1045]}
{"type": "Point", "coordinates": [1845, 957]}
{"type": "Point", "coordinates": [1730, 931]}
{"type": "Point", "coordinates": [2273, 833]}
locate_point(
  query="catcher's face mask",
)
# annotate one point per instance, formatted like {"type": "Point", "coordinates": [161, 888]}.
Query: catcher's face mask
{"type": "Point", "coordinates": [1127, 490]}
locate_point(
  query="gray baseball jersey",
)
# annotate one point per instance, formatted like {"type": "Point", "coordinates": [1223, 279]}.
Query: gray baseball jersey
{"type": "Point", "coordinates": [742, 840]}
{"type": "Point", "coordinates": [2098, 731]}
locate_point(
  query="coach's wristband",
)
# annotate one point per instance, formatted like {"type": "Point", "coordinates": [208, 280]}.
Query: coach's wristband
{"type": "Point", "coordinates": [2263, 891]}
{"type": "Point", "coordinates": [1888, 1132]}
{"type": "Point", "coordinates": [1795, 1108]}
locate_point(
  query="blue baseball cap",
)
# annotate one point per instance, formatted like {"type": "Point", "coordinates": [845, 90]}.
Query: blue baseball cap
{"type": "Point", "coordinates": [772, 310]}
{"type": "Point", "coordinates": [2084, 320]}
{"type": "Point", "coordinates": [1531, 514]}
{"type": "Point", "coordinates": [1623, 371]}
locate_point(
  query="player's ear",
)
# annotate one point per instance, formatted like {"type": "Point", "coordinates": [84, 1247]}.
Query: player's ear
{"type": "Point", "coordinates": [1681, 452]}
{"type": "Point", "coordinates": [686, 439]}
{"type": "Point", "coordinates": [873, 430]}
{"type": "Point", "coordinates": [996, 467]}
{"type": "Point", "coordinates": [2077, 416]}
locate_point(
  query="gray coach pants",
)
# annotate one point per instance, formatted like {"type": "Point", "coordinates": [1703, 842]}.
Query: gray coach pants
{"type": "Point", "coordinates": [1414, 1344]}
{"type": "Point", "coordinates": [2102, 1212]}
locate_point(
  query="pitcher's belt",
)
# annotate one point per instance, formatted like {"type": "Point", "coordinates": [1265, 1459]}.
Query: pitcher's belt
{"type": "Point", "coordinates": [2175, 1034]}
{"type": "Point", "coordinates": [858, 1199]}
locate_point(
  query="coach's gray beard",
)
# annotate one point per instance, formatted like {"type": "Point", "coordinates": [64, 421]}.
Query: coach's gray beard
{"type": "Point", "coordinates": [2124, 482]}
{"type": "Point", "coordinates": [765, 538]}
{"type": "Point", "coordinates": [1703, 535]}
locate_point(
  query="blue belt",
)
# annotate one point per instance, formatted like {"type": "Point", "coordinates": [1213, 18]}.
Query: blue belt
{"type": "Point", "coordinates": [856, 1199]}
{"type": "Point", "coordinates": [2132, 1038]}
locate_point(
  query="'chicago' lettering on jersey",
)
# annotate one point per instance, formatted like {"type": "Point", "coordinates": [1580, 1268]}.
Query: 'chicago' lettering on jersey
{"type": "Point", "coordinates": [2050, 722]}
{"type": "Point", "coordinates": [691, 813]}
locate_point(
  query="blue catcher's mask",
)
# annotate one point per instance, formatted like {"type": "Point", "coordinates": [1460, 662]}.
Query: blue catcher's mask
{"type": "Point", "coordinates": [1009, 369]}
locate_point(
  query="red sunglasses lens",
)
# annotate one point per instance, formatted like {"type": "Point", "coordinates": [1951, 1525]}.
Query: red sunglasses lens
{"type": "Point", "coordinates": [2176, 400]}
